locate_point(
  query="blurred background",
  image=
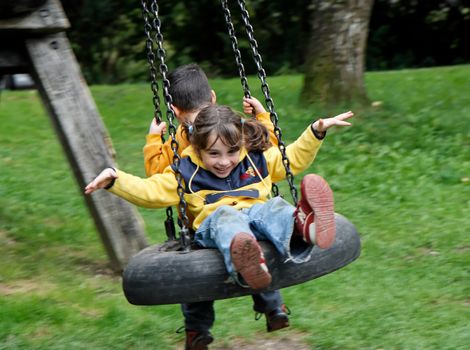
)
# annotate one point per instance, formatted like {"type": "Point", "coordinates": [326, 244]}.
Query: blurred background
{"type": "Point", "coordinates": [107, 35]}
{"type": "Point", "coordinates": [401, 174]}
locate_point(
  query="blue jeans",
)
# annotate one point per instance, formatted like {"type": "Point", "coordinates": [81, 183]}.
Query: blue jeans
{"type": "Point", "coordinates": [271, 221]}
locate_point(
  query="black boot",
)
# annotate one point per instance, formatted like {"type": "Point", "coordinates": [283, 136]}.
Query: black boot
{"type": "Point", "coordinates": [198, 340]}
{"type": "Point", "coordinates": [277, 318]}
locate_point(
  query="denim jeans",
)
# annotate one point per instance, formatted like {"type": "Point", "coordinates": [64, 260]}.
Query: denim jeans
{"type": "Point", "coordinates": [271, 221]}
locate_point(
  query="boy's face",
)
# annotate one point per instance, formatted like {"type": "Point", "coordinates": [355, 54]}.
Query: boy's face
{"type": "Point", "coordinates": [219, 158]}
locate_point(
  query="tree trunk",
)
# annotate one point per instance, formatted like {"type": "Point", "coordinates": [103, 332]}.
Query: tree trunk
{"type": "Point", "coordinates": [334, 67]}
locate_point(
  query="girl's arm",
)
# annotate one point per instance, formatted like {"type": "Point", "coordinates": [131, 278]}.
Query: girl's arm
{"type": "Point", "coordinates": [105, 179]}
{"type": "Point", "coordinates": [158, 191]}
{"type": "Point", "coordinates": [303, 151]}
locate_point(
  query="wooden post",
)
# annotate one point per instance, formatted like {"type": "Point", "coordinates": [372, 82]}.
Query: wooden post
{"type": "Point", "coordinates": [49, 58]}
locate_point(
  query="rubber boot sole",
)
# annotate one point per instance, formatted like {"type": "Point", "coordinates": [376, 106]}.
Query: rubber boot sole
{"type": "Point", "coordinates": [202, 342]}
{"type": "Point", "coordinates": [246, 257]}
{"type": "Point", "coordinates": [318, 194]}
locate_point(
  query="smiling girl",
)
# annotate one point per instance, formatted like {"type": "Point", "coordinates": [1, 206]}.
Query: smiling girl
{"type": "Point", "coordinates": [228, 171]}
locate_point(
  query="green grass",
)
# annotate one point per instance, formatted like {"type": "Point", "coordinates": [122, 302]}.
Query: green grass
{"type": "Point", "coordinates": [401, 175]}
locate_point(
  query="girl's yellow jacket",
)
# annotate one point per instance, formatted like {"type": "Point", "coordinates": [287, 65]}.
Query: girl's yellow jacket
{"type": "Point", "coordinates": [249, 183]}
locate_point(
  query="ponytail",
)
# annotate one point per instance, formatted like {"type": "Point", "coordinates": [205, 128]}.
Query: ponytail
{"type": "Point", "coordinates": [255, 135]}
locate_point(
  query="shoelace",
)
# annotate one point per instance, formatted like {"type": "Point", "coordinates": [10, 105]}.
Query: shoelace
{"type": "Point", "coordinates": [284, 308]}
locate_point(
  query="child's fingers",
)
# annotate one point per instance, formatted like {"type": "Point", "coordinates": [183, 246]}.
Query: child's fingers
{"type": "Point", "coordinates": [343, 116]}
{"type": "Point", "coordinates": [90, 188]}
{"type": "Point", "coordinates": [247, 108]}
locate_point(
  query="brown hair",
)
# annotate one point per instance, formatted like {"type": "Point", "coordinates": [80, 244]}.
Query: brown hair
{"type": "Point", "coordinates": [230, 127]}
{"type": "Point", "coordinates": [189, 88]}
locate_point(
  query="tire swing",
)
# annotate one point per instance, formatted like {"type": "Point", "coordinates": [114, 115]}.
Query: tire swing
{"type": "Point", "coordinates": [173, 273]}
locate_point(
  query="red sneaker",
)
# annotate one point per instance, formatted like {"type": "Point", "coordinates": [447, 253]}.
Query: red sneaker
{"type": "Point", "coordinates": [248, 259]}
{"type": "Point", "coordinates": [315, 215]}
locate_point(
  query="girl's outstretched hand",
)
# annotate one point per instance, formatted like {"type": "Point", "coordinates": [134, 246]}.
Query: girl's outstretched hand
{"type": "Point", "coordinates": [321, 125]}
{"type": "Point", "coordinates": [252, 105]}
{"type": "Point", "coordinates": [101, 181]}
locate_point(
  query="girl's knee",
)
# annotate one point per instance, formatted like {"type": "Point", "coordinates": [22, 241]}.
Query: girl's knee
{"type": "Point", "coordinates": [279, 204]}
{"type": "Point", "coordinates": [226, 210]}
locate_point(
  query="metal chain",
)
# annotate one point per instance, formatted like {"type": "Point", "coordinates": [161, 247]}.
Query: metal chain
{"type": "Point", "coordinates": [183, 220]}
{"type": "Point", "coordinates": [267, 95]}
{"type": "Point", "coordinates": [241, 67]}
{"type": "Point", "coordinates": [149, 44]}
{"type": "Point", "coordinates": [151, 60]}
{"type": "Point", "coordinates": [236, 51]}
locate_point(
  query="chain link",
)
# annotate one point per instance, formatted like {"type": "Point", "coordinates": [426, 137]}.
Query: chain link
{"type": "Point", "coordinates": [235, 49]}
{"type": "Point", "coordinates": [268, 99]}
{"type": "Point", "coordinates": [183, 220]}
{"type": "Point", "coordinates": [149, 44]}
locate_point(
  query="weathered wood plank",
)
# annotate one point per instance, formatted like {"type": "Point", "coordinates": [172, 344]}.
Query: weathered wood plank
{"type": "Point", "coordinates": [85, 141]}
{"type": "Point", "coordinates": [48, 18]}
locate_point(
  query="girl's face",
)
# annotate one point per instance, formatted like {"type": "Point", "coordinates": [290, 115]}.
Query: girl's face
{"type": "Point", "coordinates": [219, 158]}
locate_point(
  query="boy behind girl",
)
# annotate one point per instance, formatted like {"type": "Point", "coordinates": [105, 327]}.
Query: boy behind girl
{"type": "Point", "coordinates": [190, 92]}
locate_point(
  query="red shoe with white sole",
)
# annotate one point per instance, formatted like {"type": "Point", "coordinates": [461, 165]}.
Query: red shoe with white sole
{"type": "Point", "coordinates": [248, 259]}
{"type": "Point", "coordinates": [315, 214]}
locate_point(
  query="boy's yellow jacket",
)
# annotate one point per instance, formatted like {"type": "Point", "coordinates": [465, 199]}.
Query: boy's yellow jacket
{"type": "Point", "coordinates": [158, 155]}
{"type": "Point", "coordinates": [249, 183]}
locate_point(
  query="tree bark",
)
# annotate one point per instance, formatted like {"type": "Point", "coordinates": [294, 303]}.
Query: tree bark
{"type": "Point", "coordinates": [334, 67]}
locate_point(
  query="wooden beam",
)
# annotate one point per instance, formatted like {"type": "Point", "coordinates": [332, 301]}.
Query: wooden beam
{"type": "Point", "coordinates": [85, 142]}
{"type": "Point", "coordinates": [48, 18]}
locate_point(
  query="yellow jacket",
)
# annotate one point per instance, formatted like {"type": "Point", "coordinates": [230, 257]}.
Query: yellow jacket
{"type": "Point", "coordinates": [158, 155]}
{"type": "Point", "coordinates": [249, 183]}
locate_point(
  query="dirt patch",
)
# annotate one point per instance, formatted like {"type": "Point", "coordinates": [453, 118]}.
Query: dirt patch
{"type": "Point", "coordinates": [25, 287]}
{"type": "Point", "coordinates": [289, 341]}
{"type": "Point", "coordinates": [266, 344]}
{"type": "Point", "coordinates": [5, 239]}
{"type": "Point", "coordinates": [99, 268]}
{"type": "Point", "coordinates": [462, 249]}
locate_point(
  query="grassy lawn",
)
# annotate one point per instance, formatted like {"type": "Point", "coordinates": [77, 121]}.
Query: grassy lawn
{"type": "Point", "coordinates": [401, 175]}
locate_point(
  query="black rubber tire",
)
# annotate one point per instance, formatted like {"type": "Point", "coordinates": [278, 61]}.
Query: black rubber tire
{"type": "Point", "coordinates": [155, 277]}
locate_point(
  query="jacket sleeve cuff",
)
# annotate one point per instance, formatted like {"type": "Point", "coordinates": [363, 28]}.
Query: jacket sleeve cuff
{"type": "Point", "coordinates": [111, 184]}
{"type": "Point", "coordinates": [318, 135]}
